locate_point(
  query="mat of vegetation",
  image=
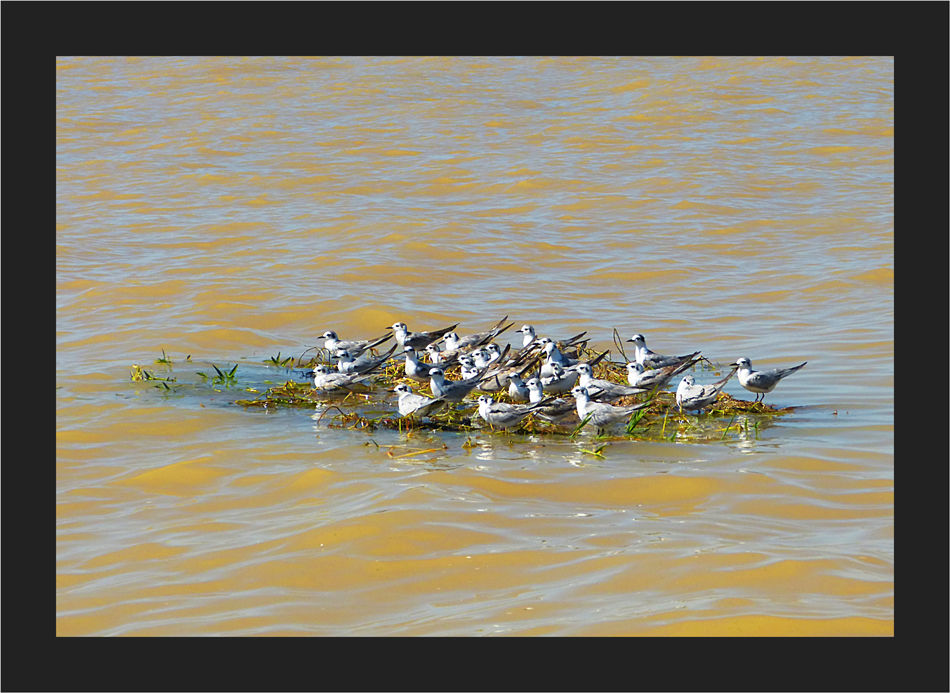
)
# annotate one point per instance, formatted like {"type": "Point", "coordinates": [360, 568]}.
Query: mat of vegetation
{"type": "Point", "coordinates": [373, 406]}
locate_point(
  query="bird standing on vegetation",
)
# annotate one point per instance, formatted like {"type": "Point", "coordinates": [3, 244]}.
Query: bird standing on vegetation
{"type": "Point", "coordinates": [529, 335]}
{"type": "Point", "coordinates": [761, 382]}
{"type": "Point", "coordinates": [557, 411]}
{"type": "Point", "coordinates": [416, 369]}
{"type": "Point", "coordinates": [601, 414]}
{"type": "Point", "coordinates": [657, 378]}
{"type": "Point", "coordinates": [453, 342]}
{"type": "Point", "coordinates": [501, 415]}
{"type": "Point", "coordinates": [355, 346]}
{"type": "Point", "coordinates": [651, 359]}
{"type": "Point", "coordinates": [469, 369]}
{"type": "Point", "coordinates": [417, 340]}
{"type": "Point", "coordinates": [489, 369]}
{"type": "Point", "coordinates": [411, 403]}
{"type": "Point", "coordinates": [558, 380]}
{"type": "Point", "coordinates": [517, 389]}
{"type": "Point", "coordinates": [363, 364]}
{"type": "Point", "coordinates": [450, 390]}
{"type": "Point", "coordinates": [327, 380]}
{"type": "Point", "coordinates": [603, 390]}
{"type": "Point", "coordinates": [689, 395]}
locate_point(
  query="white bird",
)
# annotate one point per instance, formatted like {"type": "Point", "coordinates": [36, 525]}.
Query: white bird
{"type": "Point", "coordinates": [761, 382]}
{"type": "Point", "coordinates": [603, 390]}
{"type": "Point", "coordinates": [492, 355]}
{"type": "Point", "coordinates": [554, 356]}
{"type": "Point", "coordinates": [601, 414]}
{"type": "Point", "coordinates": [345, 363]}
{"type": "Point", "coordinates": [450, 390]}
{"type": "Point", "coordinates": [656, 378]}
{"type": "Point", "coordinates": [327, 380]}
{"type": "Point", "coordinates": [558, 411]}
{"type": "Point", "coordinates": [355, 346]}
{"type": "Point", "coordinates": [568, 363]}
{"type": "Point", "coordinates": [417, 340]}
{"type": "Point", "coordinates": [651, 359]}
{"type": "Point", "coordinates": [532, 345]}
{"type": "Point", "coordinates": [575, 343]}
{"type": "Point", "coordinates": [517, 389]}
{"type": "Point", "coordinates": [495, 352]}
{"type": "Point", "coordinates": [689, 395]}
{"type": "Point", "coordinates": [501, 415]}
{"type": "Point", "coordinates": [363, 364]}
{"type": "Point", "coordinates": [453, 342]}
{"type": "Point", "coordinates": [469, 369]}
{"type": "Point", "coordinates": [481, 357]}
{"type": "Point", "coordinates": [435, 355]}
{"type": "Point", "coordinates": [551, 351]}
{"type": "Point", "coordinates": [529, 335]}
{"type": "Point", "coordinates": [496, 376]}
{"type": "Point", "coordinates": [416, 369]}
{"type": "Point", "coordinates": [411, 403]}
{"type": "Point", "coordinates": [559, 380]}
{"type": "Point", "coordinates": [443, 360]}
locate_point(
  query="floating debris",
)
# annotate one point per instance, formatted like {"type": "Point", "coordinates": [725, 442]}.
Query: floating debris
{"type": "Point", "coordinates": [366, 410]}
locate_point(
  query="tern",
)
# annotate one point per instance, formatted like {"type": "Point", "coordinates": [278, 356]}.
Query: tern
{"type": "Point", "coordinates": [411, 403]}
{"type": "Point", "coordinates": [355, 346]}
{"type": "Point", "coordinates": [537, 344]}
{"type": "Point", "coordinates": [529, 335]}
{"type": "Point", "coordinates": [469, 368]}
{"type": "Point", "coordinates": [364, 364]}
{"type": "Point", "coordinates": [559, 380]}
{"type": "Point", "coordinates": [495, 352]}
{"type": "Point", "coordinates": [601, 414]}
{"type": "Point", "coordinates": [558, 411]}
{"type": "Point", "coordinates": [444, 360]}
{"type": "Point", "coordinates": [517, 389]}
{"type": "Point", "coordinates": [603, 390]}
{"type": "Point", "coordinates": [480, 357]}
{"type": "Point", "coordinates": [554, 356]}
{"type": "Point", "coordinates": [657, 378]}
{"type": "Point", "coordinates": [416, 369]}
{"type": "Point", "coordinates": [497, 376]}
{"type": "Point", "coordinates": [327, 380]}
{"type": "Point", "coordinates": [575, 343]}
{"type": "Point", "coordinates": [490, 354]}
{"type": "Point", "coordinates": [501, 415]}
{"type": "Point", "coordinates": [450, 390]}
{"type": "Point", "coordinates": [689, 395]}
{"type": "Point", "coordinates": [417, 340]}
{"type": "Point", "coordinates": [453, 342]}
{"type": "Point", "coordinates": [650, 359]}
{"type": "Point", "coordinates": [761, 382]}
{"type": "Point", "coordinates": [435, 355]}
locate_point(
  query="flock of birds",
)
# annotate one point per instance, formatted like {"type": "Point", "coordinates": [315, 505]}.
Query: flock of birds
{"type": "Point", "coordinates": [489, 369]}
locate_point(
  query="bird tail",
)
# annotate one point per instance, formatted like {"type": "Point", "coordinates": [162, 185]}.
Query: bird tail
{"type": "Point", "coordinates": [721, 383]}
{"type": "Point", "coordinates": [688, 362]}
{"type": "Point", "coordinates": [789, 371]}
{"type": "Point", "coordinates": [380, 340]}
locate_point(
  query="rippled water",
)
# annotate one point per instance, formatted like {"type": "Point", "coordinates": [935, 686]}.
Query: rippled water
{"type": "Point", "coordinates": [231, 209]}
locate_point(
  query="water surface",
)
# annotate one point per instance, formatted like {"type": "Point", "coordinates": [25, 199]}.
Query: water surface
{"type": "Point", "coordinates": [229, 209]}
